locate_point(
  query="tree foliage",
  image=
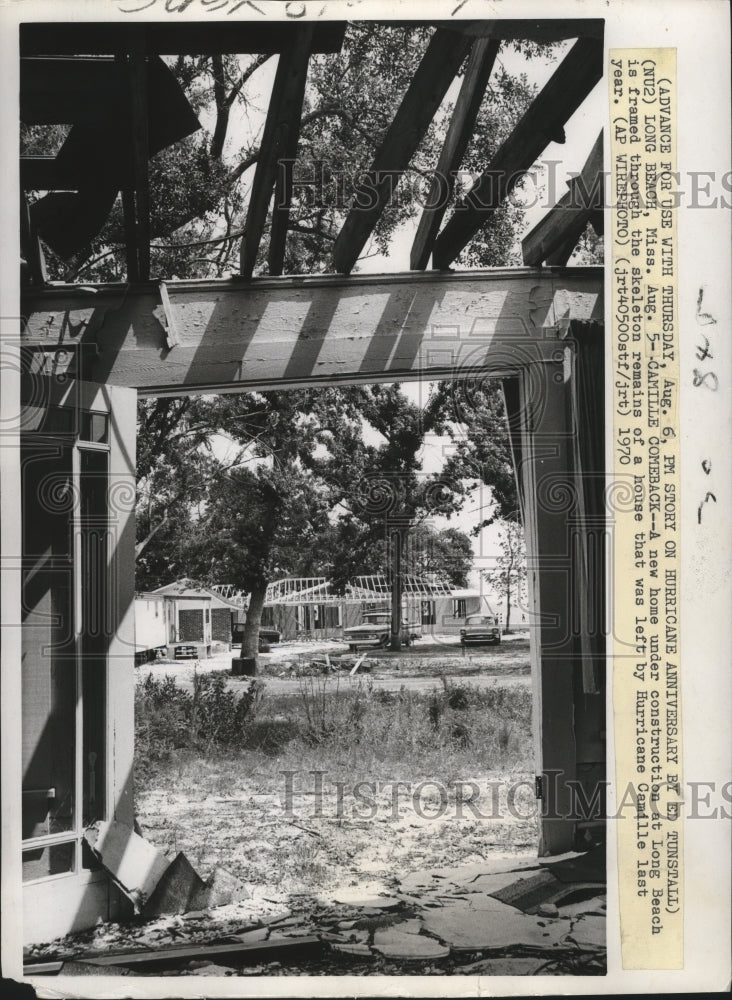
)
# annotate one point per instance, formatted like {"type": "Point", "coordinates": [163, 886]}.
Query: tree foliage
{"type": "Point", "coordinates": [508, 577]}
{"type": "Point", "coordinates": [199, 186]}
{"type": "Point", "coordinates": [313, 478]}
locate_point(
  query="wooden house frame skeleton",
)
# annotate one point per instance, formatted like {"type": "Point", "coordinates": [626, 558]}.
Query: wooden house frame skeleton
{"type": "Point", "coordinates": [88, 349]}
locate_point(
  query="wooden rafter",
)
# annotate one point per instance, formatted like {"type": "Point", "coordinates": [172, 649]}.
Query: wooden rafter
{"type": "Point", "coordinates": [67, 89]}
{"type": "Point", "coordinates": [425, 93]}
{"type": "Point", "coordinates": [279, 140]}
{"type": "Point", "coordinates": [284, 171]}
{"type": "Point", "coordinates": [542, 123]}
{"type": "Point", "coordinates": [555, 236]}
{"type": "Point", "coordinates": [480, 64]}
{"type": "Point", "coordinates": [169, 38]}
{"type": "Point", "coordinates": [542, 32]}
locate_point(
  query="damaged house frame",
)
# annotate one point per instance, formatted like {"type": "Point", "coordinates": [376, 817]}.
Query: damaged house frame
{"type": "Point", "coordinates": [83, 353]}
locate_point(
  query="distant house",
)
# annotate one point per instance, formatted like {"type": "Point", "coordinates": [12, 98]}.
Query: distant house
{"type": "Point", "coordinates": [453, 609]}
{"type": "Point", "coordinates": [151, 625]}
{"type": "Point", "coordinates": [309, 608]}
{"type": "Point", "coordinates": [193, 615]}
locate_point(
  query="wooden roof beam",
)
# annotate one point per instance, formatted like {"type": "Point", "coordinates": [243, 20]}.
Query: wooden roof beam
{"type": "Point", "coordinates": [542, 123]}
{"type": "Point", "coordinates": [562, 226]}
{"type": "Point", "coordinates": [543, 32]}
{"type": "Point", "coordinates": [197, 38]}
{"type": "Point", "coordinates": [425, 93]}
{"type": "Point", "coordinates": [271, 333]}
{"type": "Point", "coordinates": [480, 64]}
{"type": "Point", "coordinates": [279, 140]}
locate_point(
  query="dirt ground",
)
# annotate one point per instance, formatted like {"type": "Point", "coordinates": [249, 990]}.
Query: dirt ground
{"type": "Point", "coordinates": [383, 847]}
{"type": "Point", "coordinates": [315, 836]}
{"type": "Point", "coordinates": [418, 668]}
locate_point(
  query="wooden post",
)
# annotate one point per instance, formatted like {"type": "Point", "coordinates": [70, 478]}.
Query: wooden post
{"type": "Point", "coordinates": [555, 420]}
{"type": "Point", "coordinates": [396, 538]}
{"type": "Point", "coordinates": [140, 150]}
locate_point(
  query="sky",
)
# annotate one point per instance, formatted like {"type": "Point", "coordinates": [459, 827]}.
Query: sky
{"type": "Point", "coordinates": [551, 175]}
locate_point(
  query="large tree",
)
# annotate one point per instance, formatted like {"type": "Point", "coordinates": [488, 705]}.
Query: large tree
{"type": "Point", "coordinates": [199, 193]}
{"type": "Point", "coordinates": [508, 576]}
{"type": "Point", "coordinates": [444, 556]}
{"type": "Point", "coordinates": [200, 185]}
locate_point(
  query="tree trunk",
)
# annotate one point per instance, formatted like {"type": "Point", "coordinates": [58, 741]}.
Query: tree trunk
{"type": "Point", "coordinates": [250, 638]}
{"type": "Point", "coordinates": [507, 629]}
{"type": "Point", "coordinates": [397, 544]}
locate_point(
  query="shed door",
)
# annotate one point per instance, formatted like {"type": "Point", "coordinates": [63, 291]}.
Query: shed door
{"type": "Point", "coordinates": [77, 496]}
{"type": "Point", "coordinates": [221, 624]}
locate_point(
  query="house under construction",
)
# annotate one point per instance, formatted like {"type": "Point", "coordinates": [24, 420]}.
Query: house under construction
{"type": "Point", "coordinates": [310, 608]}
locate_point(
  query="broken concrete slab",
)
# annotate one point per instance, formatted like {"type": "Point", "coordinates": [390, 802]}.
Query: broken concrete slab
{"type": "Point", "coordinates": [589, 933]}
{"type": "Point", "coordinates": [133, 862]}
{"type": "Point", "coordinates": [411, 926]}
{"type": "Point", "coordinates": [495, 927]}
{"type": "Point", "coordinates": [528, 893]}
{"type": "Point", "coordinates": [178, 887]}
{"type": "Point", "coordinates": [594, 906]}
{"type": "Point", "coordinates": [494, 883]}
{"type": "Point", "coordinates": [275, 918]}
{"type": "Point", "coordinates": [408, 947]}
{"type": "Point", "coordinates": [220, 889]}
{"type": "Point", "coordinates": [352, 949]}
{"type": "Point", "coordinates": [418, 882]}
{"type": "Point", "coordinates": [365, 899]}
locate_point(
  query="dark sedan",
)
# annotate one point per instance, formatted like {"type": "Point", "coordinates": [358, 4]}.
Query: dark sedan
{"type": "Point", "coordinates": [480, 629]}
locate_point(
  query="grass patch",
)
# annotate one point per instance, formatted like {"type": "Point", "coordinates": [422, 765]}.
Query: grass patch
{"type": "Point", "coordinates": [328, 722]}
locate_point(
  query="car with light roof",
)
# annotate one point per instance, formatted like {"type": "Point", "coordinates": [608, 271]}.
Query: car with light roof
{"type": "Point", "coordinates": [480, 630]}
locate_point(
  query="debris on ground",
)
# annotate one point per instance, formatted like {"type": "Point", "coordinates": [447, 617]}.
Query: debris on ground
{"type": "Point", "coordinates": [133, 862]}
{"type": "Point", "coordinates": [154, 884]}
{"type": "Point", "coordinates": [450, 922]}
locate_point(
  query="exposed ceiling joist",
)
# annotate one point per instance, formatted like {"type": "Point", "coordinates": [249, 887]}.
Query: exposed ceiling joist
{"type": "Point", "coordinates": [69, 90]}
{"type": "Point", "coordinates": [544, 31]}
{"type": "Point", "coordinates": [236, 335]}
{"type": "Point", "coordinates": [543, 123]}
{"type": "Point", "coordinates": [42, 173]}
{"type": "Point", "coordinates": [197, 38]}
{"type": "Point", "coordinates": [557, 233]}
{"type": "Point", "coordinates": [279, 141]}
{"type": "Point", "coordinates": [480, 64]}
{"type": "Point", "coordinates": [426, 91]}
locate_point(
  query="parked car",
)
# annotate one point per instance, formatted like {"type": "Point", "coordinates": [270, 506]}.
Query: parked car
{"type": "Point", "coordinates": [375, 630]}
{"type": "Point", "coordinates": [480, 629]}
{"type": "Point", "coordinates": [267, 635]}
